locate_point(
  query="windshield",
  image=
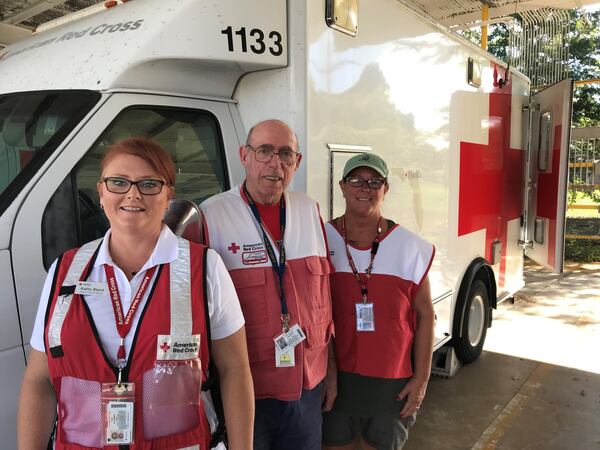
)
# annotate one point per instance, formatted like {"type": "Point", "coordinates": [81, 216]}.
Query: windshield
{"type": "Point", "coordinates": [32, 126]}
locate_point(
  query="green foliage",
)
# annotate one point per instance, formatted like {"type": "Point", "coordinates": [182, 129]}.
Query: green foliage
{"type": "Point", "coordinates": [582, 250]}
{"type": "Point", "coordinates": [586, 106]}
{"type": "Point", "coordinates": [584, 64]}
{"type": "Point", "coordinates": [498, 40]}
{"type": "Point", "coordinates": [472, 34]}
{"type": "Point", "coordinates": [584, 45]}
{"type": "Point", "coordinates": [572, 197]}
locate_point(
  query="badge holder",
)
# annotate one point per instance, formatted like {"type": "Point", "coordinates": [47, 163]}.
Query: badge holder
{"type": "Point", "coordinates": [285, 343]}
{"type": "Point", "coordinates": [365, 318]}
{"type": "Point", "coordinates": [117, 402]}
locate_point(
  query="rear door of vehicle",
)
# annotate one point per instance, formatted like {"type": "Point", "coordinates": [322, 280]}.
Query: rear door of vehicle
{"type": "Point", "coordinates": [548, 171]}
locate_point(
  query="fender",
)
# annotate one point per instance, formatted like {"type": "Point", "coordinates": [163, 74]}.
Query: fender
{"type": "Point", "coordinates": [478, 269]}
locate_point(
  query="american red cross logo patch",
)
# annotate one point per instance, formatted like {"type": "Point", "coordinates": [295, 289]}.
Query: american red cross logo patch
{"type": "Point", "coordinates": [164, 346]}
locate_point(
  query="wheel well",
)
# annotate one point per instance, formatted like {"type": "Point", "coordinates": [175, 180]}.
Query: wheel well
{"type": "Point", "coordinates": [479, 269]}
{"type": "Point", "coordinates": [486, 274]}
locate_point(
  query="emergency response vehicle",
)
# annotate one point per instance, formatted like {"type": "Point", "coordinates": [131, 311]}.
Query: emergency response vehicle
{"type": "Point", "coordinates": [477, 165]}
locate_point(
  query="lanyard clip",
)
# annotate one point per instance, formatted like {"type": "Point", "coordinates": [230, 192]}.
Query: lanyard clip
{"type": "Point", "coordinates": [363, 291]}
{"type": "Point", "coordinates": [285, 322]}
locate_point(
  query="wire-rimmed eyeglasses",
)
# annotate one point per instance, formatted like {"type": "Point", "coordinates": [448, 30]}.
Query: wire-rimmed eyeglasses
{"type": "Point", "coordinates": [265, 152]}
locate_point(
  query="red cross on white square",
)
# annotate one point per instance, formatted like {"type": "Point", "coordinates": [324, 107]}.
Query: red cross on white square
{"type": "Point", "coordinates": [233, 248]}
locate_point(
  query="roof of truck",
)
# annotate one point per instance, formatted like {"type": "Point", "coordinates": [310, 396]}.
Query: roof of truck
{"type": "Point", "coordinates": [177, 46]}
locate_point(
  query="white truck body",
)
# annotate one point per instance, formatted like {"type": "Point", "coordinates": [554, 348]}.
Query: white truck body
{"type": "Point", "coordinates": [196, 75]}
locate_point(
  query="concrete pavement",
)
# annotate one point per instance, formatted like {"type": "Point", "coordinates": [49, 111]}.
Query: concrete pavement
{"type": "Point", "coordinates": [537, 384]}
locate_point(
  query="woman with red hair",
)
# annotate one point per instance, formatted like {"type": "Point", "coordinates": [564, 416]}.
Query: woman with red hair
{"type": "Point", "coordinates": [121, 342]}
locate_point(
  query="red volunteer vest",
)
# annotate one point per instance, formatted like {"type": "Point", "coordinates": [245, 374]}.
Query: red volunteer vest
{"type": "Point", "coordinates": [79, 366]}
{"type": "Point", "coordinates": [401, 264]}
{"type": "Point", "coordinates": [233, 233]}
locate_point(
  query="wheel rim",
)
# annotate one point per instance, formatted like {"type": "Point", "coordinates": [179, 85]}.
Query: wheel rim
{"type": "Point", "coordinates": [476, 320]}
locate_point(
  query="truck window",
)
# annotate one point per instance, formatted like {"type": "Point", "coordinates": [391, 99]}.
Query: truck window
{"type": "Point", "coordinates": [192, 138]}
{"type": "Point", "coordinates": [32, 125]}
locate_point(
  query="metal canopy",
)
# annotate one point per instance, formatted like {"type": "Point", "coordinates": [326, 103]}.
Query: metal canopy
{"type": "Point", "coordinates": [18, 18]}
{"type": "Point", "coordinates": [460, 12]}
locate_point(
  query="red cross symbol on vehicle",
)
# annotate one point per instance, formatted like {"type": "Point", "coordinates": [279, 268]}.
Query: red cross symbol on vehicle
{"type": "Point", "coordinates": [164, 346]}
{"type": "Point", "coordinates": [233, 248]}
{"type": "Point", "coordinates": [490, 180]}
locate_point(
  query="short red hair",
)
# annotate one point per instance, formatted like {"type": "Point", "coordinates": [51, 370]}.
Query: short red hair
{"type": "Point", "coordinates": [146, 149]}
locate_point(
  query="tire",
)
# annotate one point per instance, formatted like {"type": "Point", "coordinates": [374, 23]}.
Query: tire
{"type": "Point", "coordinates": [470, 336]}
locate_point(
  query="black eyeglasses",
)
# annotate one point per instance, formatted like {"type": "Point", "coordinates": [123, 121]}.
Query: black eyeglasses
{"type": "Point", "coordinates": [118, 185]}
{"type": "Point", "coordinates": [265, 152]}
{"type": "Point", "coordinates": [372, 183]}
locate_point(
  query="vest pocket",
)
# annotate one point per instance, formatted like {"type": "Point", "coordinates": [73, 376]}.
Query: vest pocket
{"type": "Point", "coordinates": [171, 397]}
{"type": "Point", "coordinates": [80, 412]}
{"type": "Point", "coordinates": [318, 335]}
{"type": "Point", "coordinates": [250, 287]}
{"type": "Point", "coordinates": [318, 281]}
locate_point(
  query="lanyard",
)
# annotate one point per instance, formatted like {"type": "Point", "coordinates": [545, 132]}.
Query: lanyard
{"type": "Point", "coordinates": [278, 266]}
{"type": "Point", "coordinates": [124, 321]}
{"type": "Point", "coordinates": [362, 282]}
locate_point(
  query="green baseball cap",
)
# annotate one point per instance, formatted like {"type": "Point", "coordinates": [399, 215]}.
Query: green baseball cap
{"type": "Point", "coordinates": [366, 160]}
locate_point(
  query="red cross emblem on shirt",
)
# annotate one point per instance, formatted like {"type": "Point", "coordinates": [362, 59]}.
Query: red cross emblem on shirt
{"type": "Point", "coordinates": [491, 179]}
{"type": "Point", "coordinates": [233, 248]}
{"type": "Point", "coordinates": [164, 346]}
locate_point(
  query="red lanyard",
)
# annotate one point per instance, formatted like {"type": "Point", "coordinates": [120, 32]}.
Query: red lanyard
{"type": "Point", "coordinates": [362, 282]}
{"type": "Point", "coordinates": [124, 321]}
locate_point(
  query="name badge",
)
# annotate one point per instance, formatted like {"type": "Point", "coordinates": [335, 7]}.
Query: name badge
{"type": "Point", "coordinates": [291, 338]}
{"type": "Point", "coordinates": [170, 347]}
{"type": "Point", "coordinates": [284, 358]}
{"type": "Point", "coordinates": [90, 288]}
{"type": "Point", "coordinates": [365, 319]}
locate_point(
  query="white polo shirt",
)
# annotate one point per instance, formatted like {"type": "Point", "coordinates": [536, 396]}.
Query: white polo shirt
{"type": "Point", "coordinates": [223, 306]}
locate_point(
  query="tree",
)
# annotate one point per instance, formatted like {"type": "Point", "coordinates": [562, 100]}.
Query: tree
{"type": "Point", "coordinates": [584, 64]}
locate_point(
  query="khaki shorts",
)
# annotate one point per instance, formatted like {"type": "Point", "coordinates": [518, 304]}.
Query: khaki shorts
{"type": "Point", "coordinates": [383, 431]}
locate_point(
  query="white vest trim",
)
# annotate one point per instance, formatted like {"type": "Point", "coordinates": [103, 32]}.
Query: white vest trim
{"type": "Point", "coordinates": [401, 253]}
{"type": "Point", "coordinates": [181, 294]}
{"type": "Point", "coordinates": [80, 260]}
{"type": "Point", "coordinates": [180, 302]}
{"type": "Point", "coordinates": [235, 234]}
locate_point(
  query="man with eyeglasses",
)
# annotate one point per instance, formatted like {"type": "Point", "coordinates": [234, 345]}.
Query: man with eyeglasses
{"type": "Point", "coordinates": [273, 244]}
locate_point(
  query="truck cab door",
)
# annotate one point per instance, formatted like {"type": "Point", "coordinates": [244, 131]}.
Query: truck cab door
{"type": "Point", "coordinates": [62, 209]}
{"type": "Point", "coordinates": [547, 173]}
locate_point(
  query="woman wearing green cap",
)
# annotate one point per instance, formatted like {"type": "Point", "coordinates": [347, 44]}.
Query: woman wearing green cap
{"type": "Point", "coordinates": [383, 316]}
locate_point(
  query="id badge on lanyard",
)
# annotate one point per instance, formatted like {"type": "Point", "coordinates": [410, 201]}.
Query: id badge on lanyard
{"type": "Point", "coordinates": [365, 317]}
{"type": "Point", "coordinates": [285, 344]}
{"type": "Point", "coordinates": [118, 399]}
{"type": "Point", "coordinates": [118, 405]}
{"type": "Point", "coordinates": [291, 336]}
